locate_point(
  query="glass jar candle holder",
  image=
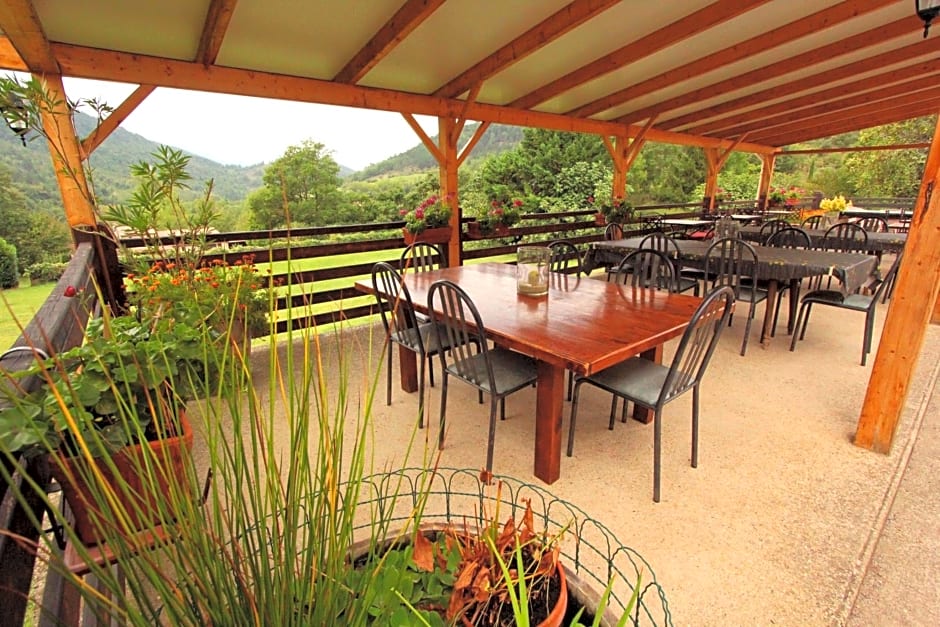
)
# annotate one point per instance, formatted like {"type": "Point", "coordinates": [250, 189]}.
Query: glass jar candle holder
{"type": "Point", "coordinates": [532, 265]}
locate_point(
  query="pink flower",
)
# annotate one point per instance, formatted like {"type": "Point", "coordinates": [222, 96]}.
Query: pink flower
{"type": "Point", "coordinates": [517, 203]}
{"type": "Point", "coordinates": [402, 212]}
{"type": "Point", "coordinates": [419, 213]}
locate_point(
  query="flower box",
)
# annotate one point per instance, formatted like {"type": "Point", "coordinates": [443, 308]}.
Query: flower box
{"type": "Point", "coordinates": [475, 230]}
{"type": "Point", "coordinates": [600, 219]}
{"type": "Point", "coordinates": [439, 235]}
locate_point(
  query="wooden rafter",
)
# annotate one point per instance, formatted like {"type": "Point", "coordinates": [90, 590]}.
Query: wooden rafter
{"type": "Point", "coordinates": [20, 23]}
{"type": "Point", "coordinates": [679, 30]}
{"type": "Point", "coordinates": [213, 30]}
{"type": "Point", "coordinates": [411, 14]}
{"type": "Point", "coordinates": [84, 62]}
{"type": "Point", "coordinates": [819, 151]}
{"type": "Point", "coordinates": [889, 97]}
{"type": "Point", "coordinates": [462, 119]}
{"type": "Point", "coordinates": [9, 57]}
{"type": "Point", "coordinates": [872, 37]}
{"type": "Point", "coordinates": [477, 135]}
{"type": "Point", "coordinates": [637, 144]}
{"type": "Point", "coordinates": [919, 48]}
{"type": "Point", "coordinates": [425, 139]}
{"type": "Point", "coordinates": [732, 54]}
{"type": "Point", "coordinates": [886, 117]}
{"type": "Point", "coordinates": [920, 101]}
{"type": "Point", "coordinates": [540, 35]}
{"type": "Point", "coordinates": [110, 123]}
{"type": "Point", "coordinates": [854, 89]}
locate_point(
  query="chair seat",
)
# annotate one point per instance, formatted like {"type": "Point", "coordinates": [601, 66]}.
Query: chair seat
{"type": "Point", "coordinates": [409, 337]}
{"type": "Point", "coordinates": [857, 302]}
{"type": "Point", "coordinates": [511, 370]}
{"type": "Point", "coordinates": [744, 294]}
{"type": "Point", "coordinates": [641, 380]}
{"type": "Point", "coordinates": [686, 283]}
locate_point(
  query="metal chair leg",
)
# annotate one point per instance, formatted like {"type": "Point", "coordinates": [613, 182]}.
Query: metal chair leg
{"type": "Point", "coordinates": [388, 378]}
{"type": "Point", "coordinates": [492, 438]}
{"type": "Point", "coordinates": [695, 393]}
{"type": "Point", "coordinates": [657, 451]}
{"type": "Point", "coordinates": [440, 437]}
{"type": "Point", "coordinates": [574, 417]}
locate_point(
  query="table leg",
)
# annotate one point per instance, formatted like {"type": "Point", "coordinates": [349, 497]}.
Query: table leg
{"type": "Point", "coordinates": [408, 367]}
{"type": "Point", "coordinates": [549, 400]}
{"type": "Point", "coordinates": [769, 308]}
{"type": "Point", "coordinates": [642, 414]}
{"type": "Point", "coordinates": [794, 304]}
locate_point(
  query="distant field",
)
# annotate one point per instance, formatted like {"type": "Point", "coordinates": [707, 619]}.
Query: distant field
{"type": "Point", "coordinates": [17, 307]}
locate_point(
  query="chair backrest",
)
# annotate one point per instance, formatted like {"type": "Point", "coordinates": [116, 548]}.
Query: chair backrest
{"type": "Point", "coordinates": [565, 258]}
{"type": "Point", "coordinates": [772, 226]}
{"type": "Point", "coordinates": [845, 237]}
{"type": "Point", "coordinates": [698, 343]}
{"type": "Point", "coordinates": [873, 224]}
{"type": "Point", "coordinates": [646, 267]}
{"type": "Point", "coordinates": [421, 257]}
{"type": "Point", "coordinates": [812, 222]}
{"type": "Point", "coordinates": [730, 261]}
{"type": "Point", "coordinates": [790, 237]}
{"type": "Point", "coordinates": [457, 323]}
{"type": "Point", "coordinates": [886, 281]}
{"type": "Point", "coordinates": [658, 240]}
{"type": "Point", "coordinates": [395, 305]}
{"type": "Point", "coordinates": [613, 231]}
{"type": "Point", "coordinates": [653, 221]}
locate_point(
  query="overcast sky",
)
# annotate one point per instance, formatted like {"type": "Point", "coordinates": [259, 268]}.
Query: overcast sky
{"type": "Point", "coordinates": [242, 130]}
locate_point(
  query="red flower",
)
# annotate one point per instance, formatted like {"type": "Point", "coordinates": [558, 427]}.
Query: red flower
{"type": "Point", "coordinates": [70, 291]}
{"type": "Point", "coordinates": [517, 203]}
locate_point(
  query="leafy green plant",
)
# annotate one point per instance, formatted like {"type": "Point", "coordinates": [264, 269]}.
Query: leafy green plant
{"type": "Point", "coordinates": [9, 272]}
{"type": "Point", "coordinates": [618, 210]}
{"type": "Point", "coordinates": [434, 212]}
{"type": "Point", "coordinates": [45, 272]}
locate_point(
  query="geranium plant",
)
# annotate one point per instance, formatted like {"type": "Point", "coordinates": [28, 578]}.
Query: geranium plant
{"type": "Point", "coordinates": [793, 196]}
{"type": "Point", "coordinates": [618, 210]}
{"type": "Point", "coordinates": [776, 196]}
{"type": "Point", "coordinates": [434, 212]}
{"type": "Point", "coordinates": [501, 214]}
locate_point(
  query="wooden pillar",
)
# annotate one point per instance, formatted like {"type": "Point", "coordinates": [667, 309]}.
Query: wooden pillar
{"type": "Point", "coordinates": [712, 168]}
{"type": "Point", "coordinates": [766, 174]}
{"type": "Point", "coordinates": [619, 154]}
{"type": "Point", "coordinates": [913, 303]}
{"type": "Point", "coordinates": [448, 134]}
{"type": "Point", "coordinates": [67, 156]}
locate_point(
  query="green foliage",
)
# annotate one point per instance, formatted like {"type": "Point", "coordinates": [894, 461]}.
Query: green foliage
{"type": "Point", "coordinates": [45, 272]}
{"type": "Point", "coordinates": [39, 234]}
{"type": "Point", "coordinates": [432, 213]}
{"type": "Point", "coordinates": [9, 270]}
{"type": "Point", "coordinates": [891, 172]}
{"type": "Point", "coordinates": [301, 187]}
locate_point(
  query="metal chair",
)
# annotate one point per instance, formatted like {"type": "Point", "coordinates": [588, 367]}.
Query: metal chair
{"type": "Point", "coordinates": [772, 226]}
{"type": "Point", "coordinates": [812, 222]}
{"type": "Point", "coordinates": [402, 327]}
{"type": "Point", "coordinates": [668, 246]}
{"type": "Point", "coordinates": [652, 385]}
{"type": "Point", "coordinates": [725, 262]}
{"type": "Point", "coordinates": [873, 224]}
{"type": "Point", "coordinates": [855, 302]}
{"type": "Point", "coordinates": [565, 258]}
{"type": "Point", "coordinates": [421, 257]}
{"type": "Point", "coordinates": [648, 268]}
{"type": "Point", "coordinates": [790, 237]}
{"type": "Point", "coordinates": [497, 371]}
{"type": "Point", "coordinates": [844, 237]}
{"type": "Point", "coordinates": [613, 231]}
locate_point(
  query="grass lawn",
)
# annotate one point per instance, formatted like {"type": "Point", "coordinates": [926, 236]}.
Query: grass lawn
{"type": "Point", "coordinates": [17, 307]}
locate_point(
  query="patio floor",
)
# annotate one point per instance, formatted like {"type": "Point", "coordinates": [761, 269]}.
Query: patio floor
{"type": "Point", "coordinates": [784, 522]}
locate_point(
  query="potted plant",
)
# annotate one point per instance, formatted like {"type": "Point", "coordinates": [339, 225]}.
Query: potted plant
{"type": "Point", "coordinates": [615, 211]}
{"type": "Point", "coordinates": [496, 220]}
{"type": "Point", "coordinates": [776, 197]}
{"type": "Point", "coordinates": [428, 222]}
{"type": "Point", "coordinates": [794, 196]}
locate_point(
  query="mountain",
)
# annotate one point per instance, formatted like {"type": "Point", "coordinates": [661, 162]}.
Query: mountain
{"type": "Point", "coordinates": [31, 167]}
{"type": "Point", "coordinates": [497, 138]}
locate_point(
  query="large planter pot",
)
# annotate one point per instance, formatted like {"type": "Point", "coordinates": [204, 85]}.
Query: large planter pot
{"type": "Point", "coordinates": [439, 235]}
{"type": "Point", "coordinates": [475, 231]}
{"type": "Point", "coordinates": [138, 499]}
{"type": "Point", "coordinates": [600, 219]}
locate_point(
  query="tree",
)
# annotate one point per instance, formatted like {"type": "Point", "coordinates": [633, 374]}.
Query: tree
{"type": "Point", "coordinates": [305, 180]}
{"type": "Point", "coordinates": [891, 172]}
{"type": "Point", "coordinates": [37, 234]}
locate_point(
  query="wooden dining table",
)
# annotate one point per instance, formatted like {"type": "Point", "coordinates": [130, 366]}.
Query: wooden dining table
{"type": "Point", "coordinates": [583, 325]}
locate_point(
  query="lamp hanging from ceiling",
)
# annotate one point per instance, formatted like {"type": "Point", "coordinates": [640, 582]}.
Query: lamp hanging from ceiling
{"type": "Point", "coordinates": [16, 114]}
{"type": "Point", "coordinates": [927, 10]}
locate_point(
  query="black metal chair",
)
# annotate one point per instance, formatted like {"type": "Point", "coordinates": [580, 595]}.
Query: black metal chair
{"type": "Point", "coordinates": [402, 327]}
{"type": "Point", "coordinates": [497, 371]}
{"type": "Point", "coordinates": [613, 231]}
{"type": "Point", "coordinates": [855, 302]}
{"type": "Point", "coordinates": [873, 224]}
{"type": "Point", "coordinates": [772, 226]}
{"type": "Point", "coordinates": [565, 259]}
{"type": "Point", "coordinates": [725, 262]}
{"type": "Point", "coordinates": [790, 237]}
{"type": "Point", "coordinates": [812, 222]}
{"type": "Point", "coordinates": [844, 237]}
{"type": "Point", "coordinates": [668, 246]}
{"type": "Point", "coordinates": [646, 267]}
{"type": "Point", "coordinates": [421, 257]}
{"type": "Point", "coordinates": [652, 385]}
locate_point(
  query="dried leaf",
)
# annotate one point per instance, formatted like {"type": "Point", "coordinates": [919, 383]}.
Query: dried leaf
{"type": "Point", "coordinates": [466, 577]}
{"type": "Point", "coordinates": [423, 553]}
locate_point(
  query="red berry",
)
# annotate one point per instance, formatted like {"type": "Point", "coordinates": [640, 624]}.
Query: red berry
{"type": "Point", "coordinates": [70, 291]}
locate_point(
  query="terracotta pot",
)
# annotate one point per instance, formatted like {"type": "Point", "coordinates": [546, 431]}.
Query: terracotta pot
{"type": "Point", "coordinates": [138, 500]}
{"type": "Point", "coordinates": [474, 230]}
{"type": "Point", "coordinates": [600, 219]}
{"type": "Point", "coordinates": [439, 235]}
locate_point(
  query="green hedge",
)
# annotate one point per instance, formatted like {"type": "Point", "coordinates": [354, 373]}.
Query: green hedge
{"type": "Point", "coordinates": [9, 273]}
{"type": "Point", "coordinates": [45, 272]}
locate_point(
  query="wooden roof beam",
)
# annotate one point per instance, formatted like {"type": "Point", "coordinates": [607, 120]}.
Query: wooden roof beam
{"type": "Point", "coordinates": [109, 65]}
{"type": "Point", "coordinates": [114, 119]}
{"type": "Point", "coordinates": [9, 58]}
{"type": "Point", "coordinates": [798, 135]}
{"type": "Point", "coordinates": [920, 48]}
{"type": "Point", "coordinates": [819, 151]}
{"type": "Point", "coordinates": [854, 89]}
{"type": "Point", "coordinates": [758, 44]}
{"type": "Point", "coordinates": [912, 91]}
{"type": "Point", "coordinates": [872, 37]}
{"type": "Point", "coordinates": [409, 17]}
{"type": "Point", "coordinates": [692, 24]}
{"type": "Point", "coordinates": [20, 23]}
{"type": "Point", "coordinates": [546, 31]}
{"type": "Point", "coordinates": [213, 30]}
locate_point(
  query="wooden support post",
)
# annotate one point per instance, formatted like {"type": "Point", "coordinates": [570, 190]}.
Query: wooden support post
{"type": "Point", "coordinates": [618, 151]}
{"type": "Point", "coordinates": [711, 177]}
{"type": "Point", "coordinates": [912, 305]}
{"type": "Point", "coordinates": [763, 185]}
{"type": "Point", "coordinates": [447, 167]}
{"type": "Point", "coordinates": [67, 157]}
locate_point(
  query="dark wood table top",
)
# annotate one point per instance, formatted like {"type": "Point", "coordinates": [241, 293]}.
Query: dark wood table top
{"type": "Point", "coordinates": [893, 242]}
{"type": "Point", "coordinates": [583, 324]}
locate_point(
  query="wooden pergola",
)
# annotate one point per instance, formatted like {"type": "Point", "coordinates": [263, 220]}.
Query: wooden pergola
{"type": "Point", "coordinates": [723, 75]}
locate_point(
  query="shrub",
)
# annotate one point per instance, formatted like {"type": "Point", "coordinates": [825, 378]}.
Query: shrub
{"type": "Point", "coordinates": [45, 272]}
{"type": "Point", "coordinates": [9, 274]}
